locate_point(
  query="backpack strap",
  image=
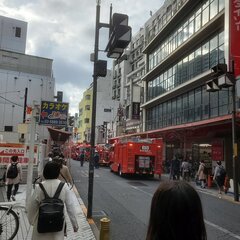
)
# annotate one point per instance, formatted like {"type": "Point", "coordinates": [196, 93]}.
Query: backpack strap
{"type": "Point", "coordinates": [59, 189]}
{"type": "Point", "coordinates": [44, 190]}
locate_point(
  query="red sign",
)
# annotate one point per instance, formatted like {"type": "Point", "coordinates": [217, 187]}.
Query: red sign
{"type": "Point", "coordinates": [234, 15]}
{"type": "Point", "coordinates": [217, 150]}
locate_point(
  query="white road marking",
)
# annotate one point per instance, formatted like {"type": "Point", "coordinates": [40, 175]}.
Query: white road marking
{"type": "Point", "coordinates": [206, 221]}
{"type": "Point", "coordinates": [222, 229]}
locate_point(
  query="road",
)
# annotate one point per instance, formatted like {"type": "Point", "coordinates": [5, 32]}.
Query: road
{"type": "Point", "coordinates": [126, 201]}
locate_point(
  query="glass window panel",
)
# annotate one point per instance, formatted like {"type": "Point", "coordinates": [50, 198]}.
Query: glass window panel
{"type": "Point", "coordinates": [185, 108]}
{"type": "Point", "coordinates": [213, 43]}
{"type": "Point", "coordinates": [191, 28]}
{"type": "Point", "coordinates": [197, 61]}
{"type": "Point", "coordinates": [179, 110]}
{"type": "Point", "coordinates": [213, 104]}
{"type": "Point", "coordinates": [169, 115]}
{"type": "Point", "coordinates": [221, 54]}
{"type": "Point", "coordinates": [191, 106]}
{"type": "Point", "coordinates": [205, 103]}
{"type": "Point", "coordinates": [198, 104]}
{"type": "Point", "coordinates": [221, 5]}
{"type": "Point", "coordinates": [174, 104]}
{"type": "Point", "coordinates": [185, 70]}
{"type": "Point", "coordinates": [224, 107]}
{"type": "Point", "coordinates": [205, 57]}
{"type": "Point", "coordinates": [221, 38]}
{"type": "Point", "coordinates": [213, 8]}
{"type": "Point", "coordinates": [197, 22]}
{"type": "Point", "coordinates": [205, 16]}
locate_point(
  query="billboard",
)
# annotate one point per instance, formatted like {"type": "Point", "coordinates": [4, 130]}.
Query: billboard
{"type": "Point", "coordinates": [53, 113]}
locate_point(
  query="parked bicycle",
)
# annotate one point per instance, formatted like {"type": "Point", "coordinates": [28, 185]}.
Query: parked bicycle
{"type": "Point", "coordinates": [9, 220]}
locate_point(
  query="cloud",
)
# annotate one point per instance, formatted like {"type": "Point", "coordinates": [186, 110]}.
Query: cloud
{"type": "Point", "coordinates": [65, 32]}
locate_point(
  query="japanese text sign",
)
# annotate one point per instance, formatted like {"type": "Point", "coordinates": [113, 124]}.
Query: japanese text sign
{"type": "Point", "coordinates": [53, 113]}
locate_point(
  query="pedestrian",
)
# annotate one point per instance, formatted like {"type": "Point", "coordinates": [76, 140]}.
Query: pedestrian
{"type": "Point", "coordinates": [176, 213]}
{"type": "Point", "coordinates": [219, 177]}
{"type": "Point", "coordinates": [51, 172]}
{"type": "Point", "coordinates": [185, 170]}
{"type": "Point", "coordinates": [96, 159]}
{"type": "Point", "coordinates": [42, 164]}
{"type": "Point", "coordinates": [64, 174]}
{"type": "Point", "coordinates": [13, 177]}
{"type": "Point", "coordinates": [201, 174]}
{"type": "Point", "coordinates": [175, 168]}
{"type": "Point", "coordinates": [81, 158]}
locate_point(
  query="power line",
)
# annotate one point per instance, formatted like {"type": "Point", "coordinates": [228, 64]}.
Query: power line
{"type": "Point", "coordinates": [11, 101]}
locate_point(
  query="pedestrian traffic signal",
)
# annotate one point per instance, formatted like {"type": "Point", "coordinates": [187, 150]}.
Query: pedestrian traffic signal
{"type": "Point", "coordinates": [120, 35]}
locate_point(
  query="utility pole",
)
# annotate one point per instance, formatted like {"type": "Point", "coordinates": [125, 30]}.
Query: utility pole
{"type": "Point", "coordinates": [31, 153]}
{"type": "Point", "coordinates": [93, 125]}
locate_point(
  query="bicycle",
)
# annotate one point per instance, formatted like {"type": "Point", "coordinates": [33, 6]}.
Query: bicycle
{"type": "Point", "coordinates": [9, 220]}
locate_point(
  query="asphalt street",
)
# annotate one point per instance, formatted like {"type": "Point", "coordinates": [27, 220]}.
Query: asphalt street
{"type": "Point", "coordinates": [126, 201]}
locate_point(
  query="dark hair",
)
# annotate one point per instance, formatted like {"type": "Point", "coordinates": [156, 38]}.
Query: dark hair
{"type": "Point", "coordinates": [58, 160]}
{"type": "Point", "coordinates": [51, 170]}
{"type": "Point", "coordinates": [176, 213]}
{"type": "Point", "coordinates": [219, 163]}
{"type": "Point", "coordinates": [14, 158]}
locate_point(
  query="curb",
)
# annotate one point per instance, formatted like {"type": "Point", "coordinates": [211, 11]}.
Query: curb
{"type": "Point", "coordinates": [91, 222]}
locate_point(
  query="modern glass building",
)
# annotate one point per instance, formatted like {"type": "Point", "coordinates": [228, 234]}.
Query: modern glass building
{"type": "Point", "coordinates": [184, 40]}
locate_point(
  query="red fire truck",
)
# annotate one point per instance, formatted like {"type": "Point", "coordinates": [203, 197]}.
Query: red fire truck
{"type": "Point", "coordinates": [103, 150]}
{"type": "Point", "coordinates": [137, 156]}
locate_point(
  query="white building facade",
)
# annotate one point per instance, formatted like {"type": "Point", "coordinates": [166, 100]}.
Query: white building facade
{"type": "Point", "coordinates": [20, 74]}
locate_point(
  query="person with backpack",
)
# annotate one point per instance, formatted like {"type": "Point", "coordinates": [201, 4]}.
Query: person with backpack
{"type": "Point", "coordinates": [219, 177]}
{"type": "Point", "coordinates": [48, 206]}
{"type": "Point", "coordinates": [202, 174]}
{"type": "Point", "coordinates": [13, 177]}
{"type": "Point", "coordinates": [185, 170]}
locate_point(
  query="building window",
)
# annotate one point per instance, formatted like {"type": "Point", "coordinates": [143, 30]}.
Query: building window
{"type": "Point", "coordinates": [107, 110]}
{"type": "Point", "coordinates": [87, 107]}
{"type": "Point", "coordinates": [88, 97]}
{"type": "Point", "coordinates": [86, 120]}
{"type": "Point", "coordinates": [18, 32]}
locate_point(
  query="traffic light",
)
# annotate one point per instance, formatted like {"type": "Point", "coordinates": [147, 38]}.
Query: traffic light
{"type": "Point", "coordinates": [221, 78]}
{"type": "Point", "coordinates": [212, 85]}
{"type": "Point", "coordinates": [220, 69]}
{"type": "Point", "coordinates": [101, 68]}
{"type": "Point", "coordinates": [120, 35]}
{"type": "Point", "coordinates": [59, 96]}
{"type": "Point", "coordinates": [71, 121]}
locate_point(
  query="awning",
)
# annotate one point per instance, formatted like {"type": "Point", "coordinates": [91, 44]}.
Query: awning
{"type": "Point", "coordinates": [59, 135]}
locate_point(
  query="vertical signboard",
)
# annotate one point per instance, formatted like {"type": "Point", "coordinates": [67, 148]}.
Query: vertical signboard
{"type": "Point", "coordinates": [53, 113]}
{"type": "Point", "coordinates": [234, 31]}
{"type": "Point", "coordinates": [217, 150]}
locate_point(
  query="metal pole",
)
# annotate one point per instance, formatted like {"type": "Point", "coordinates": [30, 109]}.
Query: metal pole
{"type": "Point", "coordinates": [234, 144]}
{"type": "Point", "coordinates": [93, 125]}
{"type": "Point", "coordinates": [31, 155]}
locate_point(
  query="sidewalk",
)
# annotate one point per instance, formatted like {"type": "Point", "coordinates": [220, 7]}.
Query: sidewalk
{"type": "Point", "coordinates": [86, 230]}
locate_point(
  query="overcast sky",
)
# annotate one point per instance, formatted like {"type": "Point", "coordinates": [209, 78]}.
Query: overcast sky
{"type": "Point", "coordinates": [64, 30]}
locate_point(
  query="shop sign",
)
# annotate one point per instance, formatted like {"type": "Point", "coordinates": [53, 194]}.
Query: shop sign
{"type": "Point", "coordinates": [217, 150]}
{"type": "Point", "coordinates": [234, 15]}
{"type": "Point", "coordinates": [20, 150]}
{"type": "Point", "coordinates": [54, 113]}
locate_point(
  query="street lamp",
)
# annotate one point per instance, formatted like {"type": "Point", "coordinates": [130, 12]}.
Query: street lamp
{"type": "Point", "coordinates": [223, 79]}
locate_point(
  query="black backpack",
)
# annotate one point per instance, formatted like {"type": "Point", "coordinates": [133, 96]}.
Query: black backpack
{"type": "Point", "coordinates": [12, 171]}
{"type": "Point", "coordinates": [51, 212]}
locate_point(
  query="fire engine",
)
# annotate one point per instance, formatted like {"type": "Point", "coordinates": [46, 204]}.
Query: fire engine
{"type": "Point", "coordinates": [103, 150]}
{"type": "Point", "coordinates": [137, 156]}
{"type": "Point", "coordinates": [76, 149]}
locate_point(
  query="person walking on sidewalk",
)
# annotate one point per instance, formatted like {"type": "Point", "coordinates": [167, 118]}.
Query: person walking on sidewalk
{"type": "Point", "coordinates": [13, 177]}
{"type": "Point", "coordinates": [185, 170]}
{"type": "Point", "coordinates": [219, 177]}
{"type": "Point", "coordinates": [176, 213]}
{"type": "Point", "coordinates": [50, 173]}
{"type": "Point", "coordinates": [201, 174]}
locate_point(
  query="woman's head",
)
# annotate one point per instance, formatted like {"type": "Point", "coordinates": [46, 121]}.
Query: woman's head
{"type": "Point", "coordinates": [14, 158]}
{"type": "Point", "coordinates": [176, 213]}
{"type": "Point", "coordinates": [51, 170]}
